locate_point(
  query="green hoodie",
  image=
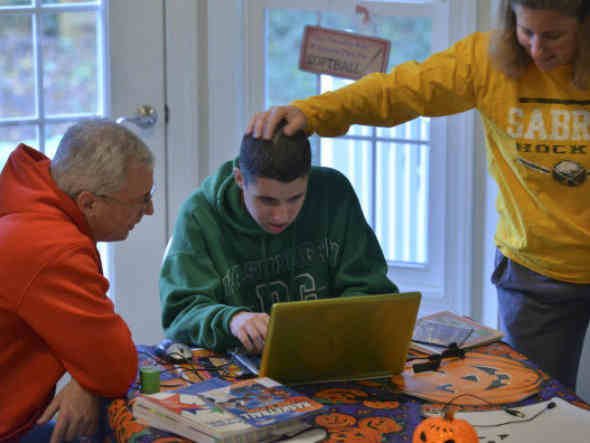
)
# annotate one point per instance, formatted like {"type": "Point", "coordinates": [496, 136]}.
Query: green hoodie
{"type": "Point", "coordinates": [220, 261]}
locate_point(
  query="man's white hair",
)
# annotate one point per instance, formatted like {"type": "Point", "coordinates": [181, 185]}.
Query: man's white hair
{"type": "Point", "coordinates": [93, 155]}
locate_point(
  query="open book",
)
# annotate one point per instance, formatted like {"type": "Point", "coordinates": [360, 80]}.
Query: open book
{"type": "Point", "coordinates": [215, 410]}
{"type": "Point", "coordinates": [433, 333]}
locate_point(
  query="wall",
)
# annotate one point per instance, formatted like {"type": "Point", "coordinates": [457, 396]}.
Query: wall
{"type": "Point", "coordinates": [484, 303]}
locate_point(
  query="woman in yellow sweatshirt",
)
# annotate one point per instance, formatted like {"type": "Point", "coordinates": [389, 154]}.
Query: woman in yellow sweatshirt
{"type": "Point", "coordinates": [530, 82]}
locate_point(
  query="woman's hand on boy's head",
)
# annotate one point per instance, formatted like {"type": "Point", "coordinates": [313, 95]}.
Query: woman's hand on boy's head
{"type": "Point", "coordinates": [250, 328]}
{"type": "Point", "coordinates": [263, 124]}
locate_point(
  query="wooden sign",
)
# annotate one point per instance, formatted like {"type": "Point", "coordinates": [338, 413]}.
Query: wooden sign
{"type": "Point", "coordinates": [342, 54]}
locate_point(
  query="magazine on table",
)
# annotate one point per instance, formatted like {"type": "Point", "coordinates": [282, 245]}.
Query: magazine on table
{"type": "Point", "coordinates": [435, 332]}
{"type": "Point", "coordinates": [216, 410]}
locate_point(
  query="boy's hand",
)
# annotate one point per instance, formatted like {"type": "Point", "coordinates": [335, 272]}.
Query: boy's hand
{"type": "Point", "coordinates": [250, 328]}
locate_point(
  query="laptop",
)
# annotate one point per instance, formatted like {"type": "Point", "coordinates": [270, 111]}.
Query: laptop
{"type": "Point", "coordinates": [342, 338]}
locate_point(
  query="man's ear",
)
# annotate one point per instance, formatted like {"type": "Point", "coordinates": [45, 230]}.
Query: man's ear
{"type": "Point", "coordinates": [239, 178]}
{"type": "Point", "coordinates": [86, 201]}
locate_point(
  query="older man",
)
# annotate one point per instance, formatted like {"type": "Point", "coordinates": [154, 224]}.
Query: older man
{"type": "Point", "coordinates": [55, 316]}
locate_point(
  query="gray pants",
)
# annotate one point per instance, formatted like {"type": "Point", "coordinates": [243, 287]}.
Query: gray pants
{"type": "Point", "coordinates": [543, 318]}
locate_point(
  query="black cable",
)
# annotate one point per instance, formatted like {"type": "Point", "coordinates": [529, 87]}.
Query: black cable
{"type": "Point", "coordinates": [433, 361]}
{"type": "Point", "coordinates": [548, 406]}
{"type": "Point", "coordinates": [511, 411]}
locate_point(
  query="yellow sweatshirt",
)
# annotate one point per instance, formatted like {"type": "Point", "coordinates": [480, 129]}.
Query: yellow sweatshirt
{"type": "Point", "coordinates": [537, 132]}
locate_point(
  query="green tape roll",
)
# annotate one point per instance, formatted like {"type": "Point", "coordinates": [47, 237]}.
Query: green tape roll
{"type": "Point", "coordinates": [149, 377]}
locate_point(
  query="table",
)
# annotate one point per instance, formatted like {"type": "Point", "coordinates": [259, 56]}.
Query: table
{"type": "Point", "coordinates": [360, 411]}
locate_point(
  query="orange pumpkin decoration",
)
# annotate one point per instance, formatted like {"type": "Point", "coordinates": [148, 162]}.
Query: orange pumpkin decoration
{"type": "Point", "coordinates": [341, 395]}
{"type": "Point", "coordinates": [335, 420]}
{"type": "Point", "coordinates": [445, 429]}
{"type": "Point", "coordinates": [354, 435]}
{"type": "Point", "coordinates": [381, 404]}
{"type": "Point", "coordinates": [503, 350]}
{"type": "Point", "coordinates": [384, 425]}
{"type": "Point", "coordinates": [497, 379]}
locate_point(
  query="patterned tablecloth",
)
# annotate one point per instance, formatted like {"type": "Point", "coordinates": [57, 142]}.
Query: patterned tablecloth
{"type": "Point", "coordinates": [361, 411]}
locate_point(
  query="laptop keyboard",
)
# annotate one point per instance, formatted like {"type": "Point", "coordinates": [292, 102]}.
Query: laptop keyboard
{"type": "Point", "coordinates": [248, 362]}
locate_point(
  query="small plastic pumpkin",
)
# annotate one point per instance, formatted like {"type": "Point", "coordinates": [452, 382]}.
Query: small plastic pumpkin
{"type": "Point", "coordinates": [445, 429]}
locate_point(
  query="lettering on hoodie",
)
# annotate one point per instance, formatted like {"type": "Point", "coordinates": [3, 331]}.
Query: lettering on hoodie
{"type": "Point", "coordinates": [307, 253]}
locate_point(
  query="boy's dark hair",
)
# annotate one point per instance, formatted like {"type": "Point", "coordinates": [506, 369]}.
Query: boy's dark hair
{"type": "Point", "coordinates": [284, 158]}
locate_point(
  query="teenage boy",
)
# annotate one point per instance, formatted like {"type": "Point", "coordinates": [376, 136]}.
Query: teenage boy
{"type": "Point", "coordinates": [264, 228]}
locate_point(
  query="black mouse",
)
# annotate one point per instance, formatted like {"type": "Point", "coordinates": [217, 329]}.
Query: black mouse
{"type": "Point", "coordinates": [174, 352]}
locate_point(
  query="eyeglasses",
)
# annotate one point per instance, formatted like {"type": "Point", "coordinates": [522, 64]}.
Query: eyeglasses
{"type": "Point", "coordinates": [146, 200]}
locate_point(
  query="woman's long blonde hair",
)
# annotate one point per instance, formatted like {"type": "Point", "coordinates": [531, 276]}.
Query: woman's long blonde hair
{"type": "Point", "coordinates": [512, 59]}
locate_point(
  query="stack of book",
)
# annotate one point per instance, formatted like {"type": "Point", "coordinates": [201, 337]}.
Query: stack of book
{"type": "Point", "coordinates": [216, 410]}
{"type": "Point", "coordinates": [434, 333]}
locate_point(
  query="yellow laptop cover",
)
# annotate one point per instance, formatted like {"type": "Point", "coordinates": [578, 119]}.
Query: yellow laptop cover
{"type": "Point", "coordinates": [342, 338]}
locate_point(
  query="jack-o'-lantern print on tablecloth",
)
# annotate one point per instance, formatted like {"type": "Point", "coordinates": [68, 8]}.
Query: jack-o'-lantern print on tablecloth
{"type": "Point", "coordinates": [347, 428]}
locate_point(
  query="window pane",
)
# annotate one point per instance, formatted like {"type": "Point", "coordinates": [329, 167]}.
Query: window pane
{"type": "Point", "coordinates": [14, 3]}
{"type": "Point", "coordinates": [402, 198]}
{"type": "Point", "coordinates": [53, 134]}
{"type": "Point", "coordinates": [354, 159]}
{"type": "Point", "coordinates": [334, 20]}
{"type": "Point", "coordinates": [410, 37]}
{"type": "Point", "coordinates": [52, 2]}
{"type": "Point", "coordinates": [70, 72]}
{"type": "Point", "coordinates": [284, 81]}
{"type": "Point", "coordinates": [17, 82]}
{"type": "Point", "coordinates": [11, 136]}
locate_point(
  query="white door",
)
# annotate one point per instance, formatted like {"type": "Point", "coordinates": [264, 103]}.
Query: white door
{"type": "Point", "coordinates": [136, 63]}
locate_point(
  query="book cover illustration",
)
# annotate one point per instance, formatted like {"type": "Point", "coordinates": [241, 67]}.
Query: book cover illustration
{"type": "Point", "coordinates": [188, 404]}
{"type": "Point", "coordinates": [262, 401]}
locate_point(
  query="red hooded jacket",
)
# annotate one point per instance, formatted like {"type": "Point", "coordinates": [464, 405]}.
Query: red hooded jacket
{"type": "Point", "coordinates": [54, 312]}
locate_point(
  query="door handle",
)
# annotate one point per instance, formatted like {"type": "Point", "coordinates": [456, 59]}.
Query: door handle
{"type": "Point", "coordinates": [145, 117]}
